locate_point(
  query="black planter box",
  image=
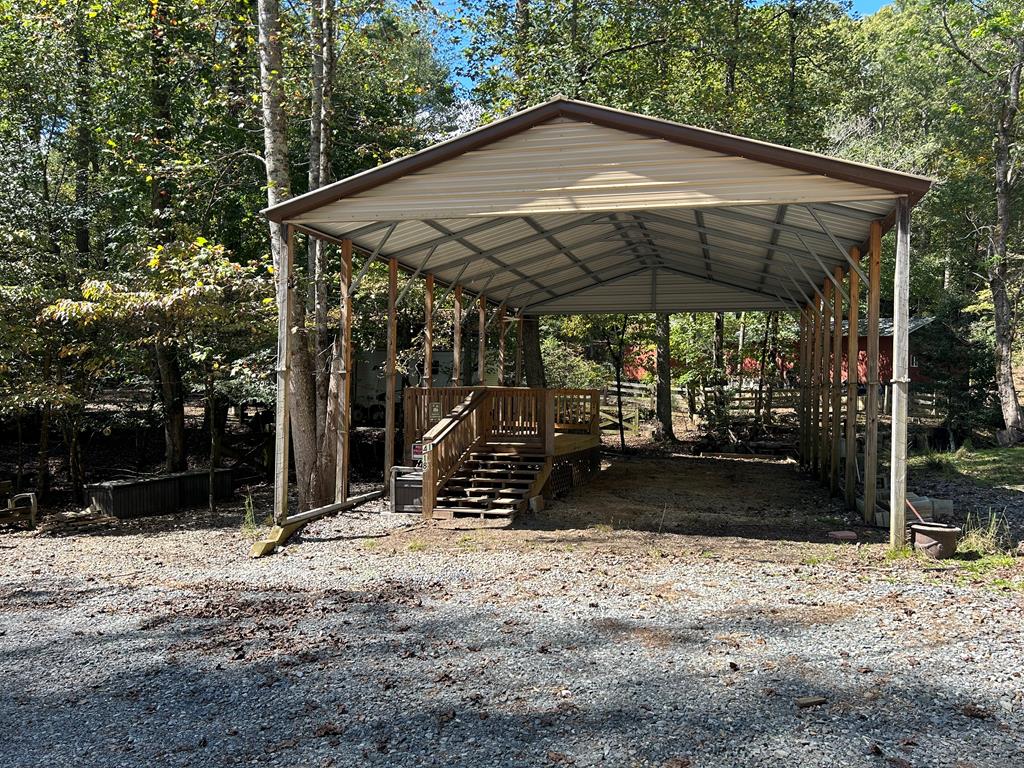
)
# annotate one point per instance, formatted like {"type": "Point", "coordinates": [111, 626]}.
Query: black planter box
{"type": "Point", "coordinates": [161, 495]}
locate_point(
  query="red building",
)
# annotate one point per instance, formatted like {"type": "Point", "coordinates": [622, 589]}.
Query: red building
{"type": "Point", "coordinates": [885, 330]}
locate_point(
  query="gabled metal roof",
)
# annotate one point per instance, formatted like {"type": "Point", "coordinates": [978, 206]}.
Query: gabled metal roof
{"type": "Point", "coordinates": [571, 207]}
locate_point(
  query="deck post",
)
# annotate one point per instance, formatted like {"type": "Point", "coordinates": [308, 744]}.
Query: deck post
{"type": "Point", "coordinates": [837, 383]}
{"type": "Point", "coordinates": [813, 380]}
{"type": "Point", "coordinates": [549, 422]}
{"type": "Point", "coordinates": [852, 373]}
{"type": "Point", "coordinates": [519, 352]}
{"type": "Point", "coordinates": [502, 330]}
{"type": "Point", "coordinates": [871, 399]}
{"type": "Point", "coordinates": [481, 359]}
{"type": "Point", "coordinates": [900, 379]}
{"type": "Point", "coordinates": [281, 416]}
{"type": "Point", "coordinates": [826, 379]}
{"type": "Point", "coordinates": [389, 372]}
{"type": "Point", "coordinates": [428, 333]}
{"type": "Point", "coordinates": [457, 338]}
{"type": "Point", "coordinates": [345, 385]}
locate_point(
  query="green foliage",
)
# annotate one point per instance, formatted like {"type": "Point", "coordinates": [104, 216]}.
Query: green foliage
{"type": "Point", "coordinates": [565, 365]}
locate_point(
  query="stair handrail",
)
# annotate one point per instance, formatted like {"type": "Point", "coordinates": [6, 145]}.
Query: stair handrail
{"type": "Point", "coordinates": [447, 442]}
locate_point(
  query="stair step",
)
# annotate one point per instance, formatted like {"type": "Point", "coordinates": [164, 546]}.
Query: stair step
{"type": "Point", "coordinates": [483, 471]}
{"type": "Point", "coordinates": [461, 479]}
{"type": "Point", "coordinates": [491, 464]}
{"type": "Point", "coordinates": [470, 512]}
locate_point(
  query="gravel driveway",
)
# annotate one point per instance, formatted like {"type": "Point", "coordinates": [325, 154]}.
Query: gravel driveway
{"type": "Point", "coordinates": [371, 641]}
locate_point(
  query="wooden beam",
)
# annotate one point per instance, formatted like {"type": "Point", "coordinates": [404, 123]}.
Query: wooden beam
{"type": "Point", "coordinates": [345, 385]}
{"type": "Point", "coordinates": [519, 352]}
{"type": "Point", "coordinates": [428, 333]}
{"type": "Point", "coordinates": [457, 338]}
{"type": "Point", "coordinates": [871, 400]}
{"type": "Point", "coordinates": [852, 373]}
{"type": "Point", "coordinates": [837, 385]}
{"type": "Point", "coordinates": [502, 330]}
{"type": "Point", "coordinates": [826, 381]}
{"type": "Point", "coordinates": [389, 371]}
{"type": "Point", "coordinates": [900, 379]}
{"type": "Point", "coordinates": [282, 425]}
{"type": "Point", "coordinates": [481, 360]}
{"type": "Point", "coordinates": [280, 533]}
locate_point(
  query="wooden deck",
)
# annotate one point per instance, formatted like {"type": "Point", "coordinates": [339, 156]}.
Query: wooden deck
{"type": "Point", "coordinates": [455, 424]}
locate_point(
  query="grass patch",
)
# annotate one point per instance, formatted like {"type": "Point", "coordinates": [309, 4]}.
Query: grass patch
{"type": "Point", "coordinates": [250, 526]}
{"type": "Point", "coordinates": [985, 535]}
{"type": "Point", "coordinates": [416, 545]}
{"type": "Point", "coordinates": [818, 559]}
{"type": "Point", "coordinates": [991, 466]}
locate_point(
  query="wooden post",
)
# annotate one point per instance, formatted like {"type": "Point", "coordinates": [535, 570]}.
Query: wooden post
{"type": "Point", "coordinates": [281, 416]}
{"type": "Point", "coordinates": [428, 333]}
{"type": "Point", "coordinates": [502, 330]}
{"type": "Point", "coordinates": [852, 372]}
{"type": "Point", "coordinates": [826, 380]}
{"type": "Point", "coordinates": [801, 360]}
{"type": "Point", "coordinates": [389, 372]}
{"type": "Point", "coordinates": [837, 383]}
{"type": "Point", "coordinates": [519, 352]}
{"type": "Point", "coordinates": [900, 379]}
{"type": "Point", "coordinates": [345, 385]}
{"type": "Point", "coordinates": [871, 400]}
{"type": "Point", "coordinates": [814, 380]}
{"type": "Point", "coordinates": [481, 360]}
{"type": "Point", "coordinates": [805, 347]}
{"type": "Point", "coordinates": [457, 340]}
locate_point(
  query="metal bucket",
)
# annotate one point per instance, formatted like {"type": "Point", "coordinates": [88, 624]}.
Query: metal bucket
{"type": "Point", "coordinates": [936, 540]}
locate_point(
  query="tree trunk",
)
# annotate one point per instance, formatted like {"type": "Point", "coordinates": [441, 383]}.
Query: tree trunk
{"type": "Point", "coordinates": [75, 471]}
{"type": "Point", "coordinates": [83, 144]}
{"type": "Point", "coordinates": [759, 400]}
{"type": "Point", "coordinates": [532, 360]}
{"type": "Point", "coordinates": [718, 364]}
{"type": "Point", "coordinates": [312, 490]}
{"type": "Point", "coordinates": [1003, 313]}
{"type": "Point", "coordinates": [664, 363]}
{"type": "Point", "coordinates": [172, 396]}
{"type": "Point", "coordinates": [775, 371]}
{"type": "Point", "coordinates": [43, 456]}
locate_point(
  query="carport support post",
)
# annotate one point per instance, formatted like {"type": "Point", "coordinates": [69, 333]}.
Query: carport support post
{"type": "Point", "coordinates": [837, 383]}
{"type": "Point", "coordinates": [871, 399]}
{"type": "Point", "coordinates": [805, 383]}
{"type": "Point", "coordinates": [852, 372]}
{"type": "Point", "coordinates": [823, 372]}
{"type": "Point", "coordinates": [502, 330]}
{"type": "Point", "coordinates": [900, 379]}
{"type": "Point", "coordinates": [345, 385]}
{"type": "Point", "coordinates": [813, 379]}
{"type": "Point", "coordinates": [457, 338]}
{"type": "Point", "coordinates": [281, 425]}
{"type": "Point", "coordinates": [481, 357]}
{"type": "Point", "coordinates": [389, 372]}
{"type": "Point", "coordinates": [802, 352]}
{"type": "Point", "coordinates": [428, 333]}
{"type": "Point", "coordinates": [519, 352]}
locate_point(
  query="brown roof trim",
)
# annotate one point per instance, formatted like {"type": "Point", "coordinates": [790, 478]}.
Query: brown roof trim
{"type": "Point", "coordinates": [914, 187]}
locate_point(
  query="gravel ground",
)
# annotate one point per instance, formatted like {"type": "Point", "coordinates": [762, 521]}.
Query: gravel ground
{"type": "Point", "coordinates": [374, 640]}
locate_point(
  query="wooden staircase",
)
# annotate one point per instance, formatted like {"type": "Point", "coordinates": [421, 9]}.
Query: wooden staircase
{"type": "Point", "coordinates": [493, 482]}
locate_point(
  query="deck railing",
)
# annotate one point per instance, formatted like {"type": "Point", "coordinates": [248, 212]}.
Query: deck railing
{"type": "Point", "coordinates": [448, 441]}
{"type": "Point", "coordinates": [576, 410]}
{"type": "Point", "coordinates": [451, 421]}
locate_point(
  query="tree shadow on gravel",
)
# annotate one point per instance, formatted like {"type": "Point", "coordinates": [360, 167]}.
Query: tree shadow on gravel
{"type": "Point", "coordinates": [378, 679]}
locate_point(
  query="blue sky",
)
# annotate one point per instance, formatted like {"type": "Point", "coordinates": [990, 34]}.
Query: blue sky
{"type": "Point", "coordinates": [452, 51]}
